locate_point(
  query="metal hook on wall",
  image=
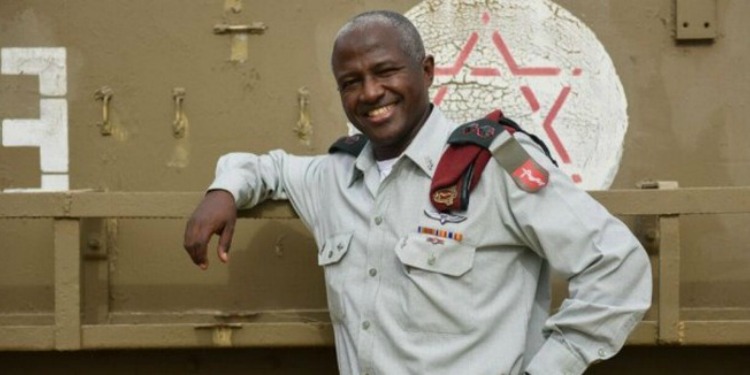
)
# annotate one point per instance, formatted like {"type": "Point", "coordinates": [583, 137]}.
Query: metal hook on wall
{"type": "Point", "coordinates": [105, 95]}
{"type": "Point", "coordinates": [179, 125]}
{"type": "Point", "coordinates": [304, 128]}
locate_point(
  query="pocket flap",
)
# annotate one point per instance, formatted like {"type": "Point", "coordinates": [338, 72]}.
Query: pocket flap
{"type": "Point", "coordinates": [334, 248]}
{"type": "Point", "coordinates": [435, 254]}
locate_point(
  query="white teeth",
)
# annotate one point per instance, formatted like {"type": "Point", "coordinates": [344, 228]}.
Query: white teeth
{"type": "Point", "coordinates": [379, 111]}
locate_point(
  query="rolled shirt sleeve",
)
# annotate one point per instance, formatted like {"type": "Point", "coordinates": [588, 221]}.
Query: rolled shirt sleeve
{"type": "Point", "coordinates": [252, 179]}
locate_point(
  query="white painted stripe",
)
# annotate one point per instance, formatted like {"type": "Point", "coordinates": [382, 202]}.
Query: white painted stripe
{"type": "Point", "coordinates": [49, 133]}
{"type": "Point", "coordinates": [47, 63]}
{"type": "Point", "coordinates": [55, 182]}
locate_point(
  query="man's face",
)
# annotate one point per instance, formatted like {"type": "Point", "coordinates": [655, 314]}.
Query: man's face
{"type": "Point", "coordinates": [384, 92]}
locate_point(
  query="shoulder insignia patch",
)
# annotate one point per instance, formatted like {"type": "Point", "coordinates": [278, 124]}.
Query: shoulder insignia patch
{"type": "Point", "coordinates": [531, 176]}
{"type": "Point", "coordinates": [526, 172]}
{"type": "Point", "coordinates": [351, 145]}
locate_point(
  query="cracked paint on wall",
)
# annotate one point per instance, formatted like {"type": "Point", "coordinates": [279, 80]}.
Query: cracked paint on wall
{"type": "Point", "coordinates": [538, 63]}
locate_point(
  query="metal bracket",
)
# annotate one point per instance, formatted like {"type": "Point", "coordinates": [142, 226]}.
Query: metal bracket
{"type": "Point", "coordinates": [97, 237]}
{"type": "Point", "coordinates": [253, 28]}
{"type": "Point", "coordinates": [647, 227]}
{"type": "Point", "coordinates": [105, 95]}
{"type": "Point", "coordinates": [239, 34]}
{"type": "Point", "coordinates": [180, 123]}
{"type": "Point", "coordinates": [304, 128]}
{"type": "Point", "coordinates": [695, 20]}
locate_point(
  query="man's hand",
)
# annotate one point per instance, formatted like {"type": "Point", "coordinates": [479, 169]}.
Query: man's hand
{"type": "Point", "coordinates": [216, 214]}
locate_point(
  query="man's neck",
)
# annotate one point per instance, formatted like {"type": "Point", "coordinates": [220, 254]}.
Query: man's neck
{"type": "Point", "coordinates": [395, 150]}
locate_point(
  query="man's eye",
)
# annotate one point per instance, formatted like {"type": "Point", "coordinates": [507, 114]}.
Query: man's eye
{"type": "Point", "coordinates": [386, 72]}
{"type": "Point", "coordinates": [347, 85]}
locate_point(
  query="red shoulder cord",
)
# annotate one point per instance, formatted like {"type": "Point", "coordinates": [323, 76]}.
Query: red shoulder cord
{"type": "Point", "coordinates": [458, 172]}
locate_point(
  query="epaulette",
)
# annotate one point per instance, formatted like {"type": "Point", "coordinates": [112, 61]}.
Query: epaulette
{"type": "Point", "coordinates": [513, 127]}
{"type": "Point", "coordinates": [351, 145]}
{"type": "Point", "coordinates": [480, 132]}
{"type": "Point", "coordinates": [470, 147]}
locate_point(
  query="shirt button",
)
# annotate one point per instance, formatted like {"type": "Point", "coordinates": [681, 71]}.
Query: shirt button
{"type": "Point", "coordinates": [378, 220]}
{"type": "Point", "coordinates": [366, 324]}
{"type": "Point", "coordinates": [431, 260]}
{"type": "Point", "coordinates": [602, 353]}
{"type": "Point", "coordinates": [373, 272]}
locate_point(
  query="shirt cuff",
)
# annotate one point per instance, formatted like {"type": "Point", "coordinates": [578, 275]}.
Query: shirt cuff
{"type": "Point", "coordinates": [555, 357]}
{"type": "Point", "coordinates": [230, 184]}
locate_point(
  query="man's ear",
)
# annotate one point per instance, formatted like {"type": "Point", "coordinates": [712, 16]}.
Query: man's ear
{"type": "Point", "coordinates": [428, 67]}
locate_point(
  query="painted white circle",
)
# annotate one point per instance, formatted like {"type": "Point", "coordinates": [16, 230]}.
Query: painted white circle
{"type": "Point", "coordinates": [541, 66]}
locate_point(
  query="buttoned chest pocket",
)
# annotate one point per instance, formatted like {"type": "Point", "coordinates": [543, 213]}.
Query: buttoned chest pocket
{"type": "Point", "coordinates": [331, 257]}
{"type": "Point", "coordinates": [438, 287]}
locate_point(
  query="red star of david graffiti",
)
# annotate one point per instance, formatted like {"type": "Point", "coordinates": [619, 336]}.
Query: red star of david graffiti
{"type": "Point", "coordinates": [515, 70]}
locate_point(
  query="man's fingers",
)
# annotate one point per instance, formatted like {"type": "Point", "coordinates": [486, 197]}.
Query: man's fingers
{"type": "Point", "coordinates": [197, 253]}
{"type": "Point", "coordinates": [225, 241]}
{"type": "Point", "coordinates": [196, 244]}
{"type": "Point", "coordinates": [216, 214]}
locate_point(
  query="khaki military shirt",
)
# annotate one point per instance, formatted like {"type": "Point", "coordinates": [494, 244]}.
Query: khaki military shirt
{"type": "Point", "coordinates": [411, 292]}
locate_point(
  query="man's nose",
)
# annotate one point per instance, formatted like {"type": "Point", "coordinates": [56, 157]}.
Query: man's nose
{"type": "Point", "coordinates": [372, 89]}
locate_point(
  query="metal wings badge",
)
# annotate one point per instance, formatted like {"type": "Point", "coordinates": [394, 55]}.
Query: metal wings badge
{"type": "Point", "coordinates": [443, 217]}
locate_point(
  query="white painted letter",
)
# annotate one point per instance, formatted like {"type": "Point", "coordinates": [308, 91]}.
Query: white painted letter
{"type": "Point", "coordinates": [50, 131]}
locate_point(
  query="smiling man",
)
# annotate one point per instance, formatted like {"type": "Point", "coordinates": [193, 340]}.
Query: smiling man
{"type": "Point", "coordinates": [383, 76]}
{"type": "Point", "coordinates": [438, 240]}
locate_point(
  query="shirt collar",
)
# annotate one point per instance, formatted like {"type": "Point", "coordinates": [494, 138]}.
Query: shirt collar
{"type": "Point", "coordinates": [424, 150]}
